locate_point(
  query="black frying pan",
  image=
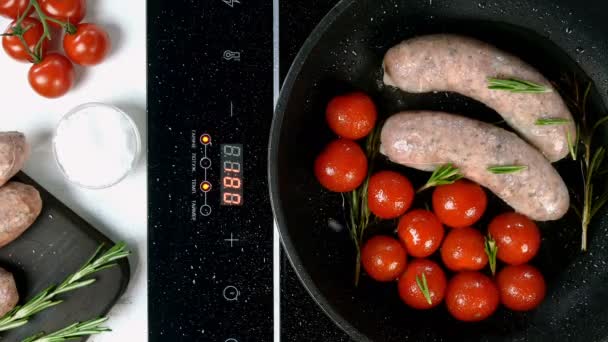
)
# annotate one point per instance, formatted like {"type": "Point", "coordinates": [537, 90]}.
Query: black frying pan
{"type": "Point", "coordinates": [345, 53]}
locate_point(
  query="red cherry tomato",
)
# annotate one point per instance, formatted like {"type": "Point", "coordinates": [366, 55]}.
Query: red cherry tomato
{"type": "Point", "coordinates": [460, 204]}
{"type": "Point", "coordinates": [64, 10]}
{"type": "Point", "coordinates": [341, 166]}
{"type": "Point", "coordinates": [53, 76]}
{"type": "Point", "coordinates": [351, 116]}
{"type": "Point", "coordinates": [463, 250]}
{"type": "Point", "coordinates": [411, 293]}
{"type": "Point", "coordinates": [516, 236]}
{"type": "Point", "coordinates": [421, 233]}
{"type": "Point", "coordinates": [13, 46]}
{"type": "Point", "coordinates": [389, 194]}
{"type": "Point", "coordinates": [88, 46]}
{"type": "Point", "coordinates": [471, 297]}
{"type": "Point", "coordinates": [383, 258]}
{"type": "Point", "coordinates": [522, 287]}
{"type": "Point", "coordinates": [13, 8]}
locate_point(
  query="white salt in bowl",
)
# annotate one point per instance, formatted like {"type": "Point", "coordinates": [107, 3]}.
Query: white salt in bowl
{"type": "Point", "coordinates": [96, 145]}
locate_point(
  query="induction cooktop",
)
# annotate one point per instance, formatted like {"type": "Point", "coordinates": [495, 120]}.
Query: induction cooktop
{"type": "Point", "coordinates": [214, 69]}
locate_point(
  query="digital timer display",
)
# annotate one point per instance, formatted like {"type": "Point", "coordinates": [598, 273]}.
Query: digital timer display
{"type": "Point", "coordinates": [231, 181]}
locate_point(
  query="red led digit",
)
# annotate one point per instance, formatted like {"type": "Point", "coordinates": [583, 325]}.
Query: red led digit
{"type": "Point", "coordinates": [230, 198]}
{"type": "Point", "coordinates": [232, 167]}
{"type": "Point", "coordinates": [232, 182]}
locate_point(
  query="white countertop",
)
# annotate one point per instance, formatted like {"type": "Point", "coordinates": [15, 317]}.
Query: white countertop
{"type": "Point", "coordinates": [120, 211]}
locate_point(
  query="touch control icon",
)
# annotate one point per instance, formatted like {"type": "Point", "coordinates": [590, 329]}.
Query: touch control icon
{"type": "Point", "coordinates": [231, 293]}
{"type": "Point", "coordinates": [232, 56]}
{"type": "Point", "coordinates": [231, 2]}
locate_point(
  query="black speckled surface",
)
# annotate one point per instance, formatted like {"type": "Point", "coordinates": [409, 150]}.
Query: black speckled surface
{"type": "Point", "coordinates": [301, 318]}
{"type": "Point", "coordinates": [554, 36]}
{"type": "Point", "coordinates": [194, 272]}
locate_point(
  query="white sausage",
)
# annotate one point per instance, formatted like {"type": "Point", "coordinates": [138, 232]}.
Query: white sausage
{"type": "Point", "coordinates": [425, 140]}
{"type": "Point", "coordinates": [447, 62]}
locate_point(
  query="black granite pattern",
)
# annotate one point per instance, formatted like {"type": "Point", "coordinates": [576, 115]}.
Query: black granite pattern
{"type": "Point", "coordinates": [209, 71]}
{"type": "Point", "coordinates": [301, 317]}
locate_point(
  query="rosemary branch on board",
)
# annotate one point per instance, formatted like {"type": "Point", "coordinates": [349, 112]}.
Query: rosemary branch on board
{"type": "Point", "coordinates": [76, 330]}
{"type": "Point", "coordinates": [45, 299]}
{"type": "Point", "coordinates": [516, 85]}
{"type": "Point", "coordinates": [445, 174]}
{"type": "Point", "coordinates": [592, 158]}
{"type": "Point", "coordinates": [359, 213]}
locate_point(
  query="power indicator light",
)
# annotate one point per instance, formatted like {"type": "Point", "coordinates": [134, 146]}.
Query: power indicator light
{"type": "Point", "coordinates": [205, 139]}
{"type": "Point", "coordinates": [205, 186]}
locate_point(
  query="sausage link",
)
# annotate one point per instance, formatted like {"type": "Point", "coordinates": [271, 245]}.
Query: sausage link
{"type": "Point", "coordinates": [425, 140]}
{"type": "Point", "coordinates": [447, 62]}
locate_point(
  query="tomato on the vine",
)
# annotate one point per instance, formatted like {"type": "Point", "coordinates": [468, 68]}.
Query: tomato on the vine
{"type": "Point", "coordinates": [471, 297]}
{"type": "Point", "coordinates": [517, 238]}
{"type": "Point", "coordinates": [53, 76]}
{"type": "Point", "coordinates": [459, 204]}
{"type": "Point", "coordinates": [64, 10]}
{"type": "Point", "coordinates": [89, 45]}
{"type": "Point", "coordinates": [351, 116]}
{"type": "Point", "coordinates": [383, 258]}
{"type": "Point", "coordinates": [421, 232]}
{"type": "Point", "coordinates": [341, 166]}
{"type": "Point", "coordinates": [463, 250]}
{"type": "Point", "coordinates": [433, 283]}
{"type": "Point", "coordinates": [13, 8]}
{"type": "Point", "coordinates": [389, 194]}
{"type": "Point", "coordinates": [13, 46]}
{"type": "Point", "coordinates": [522, 287]}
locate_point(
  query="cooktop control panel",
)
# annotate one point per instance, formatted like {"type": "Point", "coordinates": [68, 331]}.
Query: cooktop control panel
{"type": "Point", "coordinates": [210, 224]}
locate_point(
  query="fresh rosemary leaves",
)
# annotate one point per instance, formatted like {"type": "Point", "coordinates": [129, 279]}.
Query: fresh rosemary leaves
{"type": "Point", "coordinates": [516, 86]}
{"type": "Point", "coordinates": [445, 174]}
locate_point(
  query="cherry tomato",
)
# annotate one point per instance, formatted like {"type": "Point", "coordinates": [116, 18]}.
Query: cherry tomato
{"type": "Point", "coordinates": [460, 204]}
{"type": "Point", "coordinates": [53, 76]}
{"type": "Point", "coordinates": [471, 297]}
{"type": "Point", "coordinates": [13, 46]}
{"type": "Point", "coordinates": [411, 293]}
{"type": "Point", "coordinates": [351, 116]}
{"type": "Point", "coordinates": [341, 166]}
{"type": "Point", "coordinates": [389, 194]}
{"type": "Point", "coordinates": [522, 287]}
{"type": "Point", "coordinates": [74, 10]}
{"type": "Point", "coordinates": [421, 232]}
{"type": "Point", "coordinates": [463, 250]}
{"type": "Point", "coordinates": [88, 46]}
{"type": "Point", "coordinates": [13, 8]}
{"type": "Point", "coordinates": [383, 258]}
{"type": "Point", "coordinates": [517, 238]}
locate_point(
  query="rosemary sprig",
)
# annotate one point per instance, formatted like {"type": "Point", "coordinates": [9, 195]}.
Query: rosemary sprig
{"type": "Point", "coordinates": [592, 158]}
{"type": "Point", "coordinates": [359, 213]}
{"type": "Point", "coordinates": [505, 169]}
{"type": "Point", "coordinates": [516, 85]}
{"type": "Point", "coordinates": [491, 250]}
{"type": "Point", "coordinates": [424, 288]}
{"type": "Point", "coordinates": [76, 330]}
{"type": "Point", "coordinates": [551, 121]}
{"type": "Point", "coordinates": [445, 174]}
{"type": "Point", "coordinates": [45, 299]}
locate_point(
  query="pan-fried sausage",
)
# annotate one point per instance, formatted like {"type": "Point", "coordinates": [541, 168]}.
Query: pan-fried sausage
{"type": "Point", "coordinates": [425, 140]}
{"type": "Point", "coordinates": [446, 62]}
{"type": "Point", "coordinates": [14, 151]}
{"type": "Point", "coordinates": [9, 297]}
{"type": "Point", "coordinates": [20, 205]}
